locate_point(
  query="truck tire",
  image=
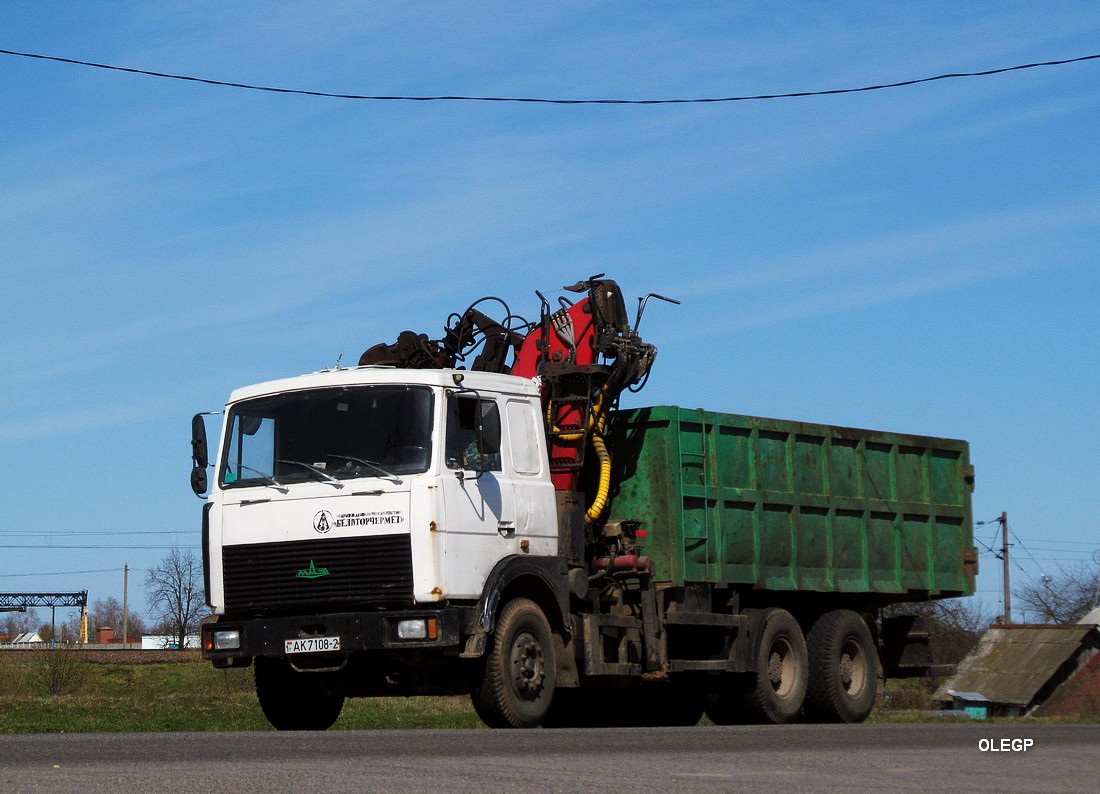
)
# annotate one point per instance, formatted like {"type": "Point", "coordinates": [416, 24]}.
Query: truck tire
{"type": "Point", "coordinates": [778, 689]}
{"type": "Point", "coordinates": [294, 701]}
{"type": "Point", "coordinates": [520, 669]}
{"type": "Point", "coordinates": [843, 668]}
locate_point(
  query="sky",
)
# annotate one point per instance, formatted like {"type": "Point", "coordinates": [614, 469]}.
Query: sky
{"type": "Point", "coordinates": [921, 259]}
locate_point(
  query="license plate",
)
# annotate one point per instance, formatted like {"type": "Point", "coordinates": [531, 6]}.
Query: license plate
{"type": "Point", "coordinates": [313, 645]}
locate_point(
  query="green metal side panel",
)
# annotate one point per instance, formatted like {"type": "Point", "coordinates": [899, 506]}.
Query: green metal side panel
{"type": "Point", "coordinates": [792, 506]}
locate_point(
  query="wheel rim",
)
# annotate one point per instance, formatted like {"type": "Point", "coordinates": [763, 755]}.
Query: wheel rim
{"type": "Point", "coordinates": [782, 668]}
{"type": "Point", "coordinates": [853, 668]}
{"type": "Point", "coordinates": [528, 669]}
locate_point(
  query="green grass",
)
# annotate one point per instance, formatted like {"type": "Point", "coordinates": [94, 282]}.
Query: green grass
{"type": "Point", "coordinates": [188, 694]}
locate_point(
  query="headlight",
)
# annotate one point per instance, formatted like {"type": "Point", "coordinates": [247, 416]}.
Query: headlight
{"type": "Point", "coordinates": [227, 640]}
{"type": "Point", "coordinates": [412, 629]}
{"type": "Point", "coordinates": [418, 629]}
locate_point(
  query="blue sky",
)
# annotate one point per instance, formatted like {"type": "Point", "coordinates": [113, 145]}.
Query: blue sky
{"type": "Point", "coordinates": [919, 260]}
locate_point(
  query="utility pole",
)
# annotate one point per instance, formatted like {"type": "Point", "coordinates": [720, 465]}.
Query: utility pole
{"type": "Point", "coordinates": [125, 609]}
{"type": "Point", "coordinates": [1004, 559]}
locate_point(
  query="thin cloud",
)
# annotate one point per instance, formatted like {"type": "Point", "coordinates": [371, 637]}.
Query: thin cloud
{"type": "Point", "coordinates": [982, 239]}
{"type": "Point", "coordinates": [82, 420]}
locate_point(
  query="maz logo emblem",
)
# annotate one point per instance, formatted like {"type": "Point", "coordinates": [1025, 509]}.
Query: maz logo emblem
{"type": "Point", "coordinates": [311, 572]}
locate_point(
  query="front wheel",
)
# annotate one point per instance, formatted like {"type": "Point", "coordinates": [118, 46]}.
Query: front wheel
{"type": "Point", "coordinates": [295, 701]}
{"type": "Point", "coordinates": [520, 669]}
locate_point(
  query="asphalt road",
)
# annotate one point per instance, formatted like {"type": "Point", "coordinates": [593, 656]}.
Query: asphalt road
{"type": "Point", "coordinates": [804, 758]}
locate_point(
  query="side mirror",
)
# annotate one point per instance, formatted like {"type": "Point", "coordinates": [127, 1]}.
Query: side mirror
{"type": "Point", "coordinates": [200, 455]}
{"type": "Point", "coordinates": [198, 481]}
{"type": "Point", "coordinates": [198, 442]}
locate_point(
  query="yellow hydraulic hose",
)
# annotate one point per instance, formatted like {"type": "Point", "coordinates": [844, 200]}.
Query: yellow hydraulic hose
{"type": "Point", "coordinates": [597, 420]}
{"type": "Point", "coordinates": [600, 502]}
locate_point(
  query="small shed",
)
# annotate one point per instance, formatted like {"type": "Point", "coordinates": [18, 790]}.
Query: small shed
{"type": "Point", "coordinates": [975, 704]}
{"type": "Point", "coordinates": [1016, 668]}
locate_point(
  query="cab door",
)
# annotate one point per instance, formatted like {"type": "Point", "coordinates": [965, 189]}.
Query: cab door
{"type": "Point", "coordinates": [479, 521]}
{"type": "Point", "coordinates": [528, 466]}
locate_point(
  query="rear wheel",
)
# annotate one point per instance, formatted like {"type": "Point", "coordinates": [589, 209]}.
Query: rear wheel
{"type": "Point", "coordinates": [294, 701]}
{"type": "Point", "coordinates": [843, 668]}
{"type": "Point", "coordinates": [520, 669]}
{"type": "Point", "coordinates": [776, 692]}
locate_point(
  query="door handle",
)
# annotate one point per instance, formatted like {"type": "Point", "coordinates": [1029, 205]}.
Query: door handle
{"type": "Point", "coordinates": [506, 528]}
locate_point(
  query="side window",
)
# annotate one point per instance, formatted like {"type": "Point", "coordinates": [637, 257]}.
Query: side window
{"type": "Point", "coordinates": [251, 449]}
{"type": "Point", "coordinates": [464, 413]}
{"type": "Point", "coordinates": [522, 437]}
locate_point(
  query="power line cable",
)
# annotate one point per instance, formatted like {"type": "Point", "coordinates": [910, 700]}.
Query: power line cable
{"type": "Point", "coordinates": [1021, 544]}
{"type": "Point", "coordinates": [986, 548]}
{"type": "Point", "coordinates": [81, 533]}
{"type": "Point", "coordinates": [1063, 559]}
{"type": "Point", "coordinates": [101, 546]}
{"type": "Point", "coordinates": [1089, 543]}
{"type": "Point", "coordinates": [59, 573]}
{"type": "Point", "coordinates": [1063, 551]}
{"type": "Point", "coordinates": [993, 539]}
{"type": "Point", "coordinates": [544, 100]}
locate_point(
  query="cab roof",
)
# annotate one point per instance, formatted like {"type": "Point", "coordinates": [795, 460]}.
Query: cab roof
{"type": "Point", "coordinates": [379, 375]}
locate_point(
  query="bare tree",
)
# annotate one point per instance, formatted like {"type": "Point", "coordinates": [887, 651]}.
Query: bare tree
{"type": "Point", "coordinates": [954, 625]}
{"type": "Point", "coordinates": [15, 623]}
{"type": "Point", "coordinates": [1064, 598]}
{"type": "Point", "coordinates": [175, 592]}
{"type": "Point", "coordinates": [106, 613]}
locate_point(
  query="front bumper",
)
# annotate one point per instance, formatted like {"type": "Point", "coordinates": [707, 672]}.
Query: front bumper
{"type": "Point", "coordinates": [358, 631]}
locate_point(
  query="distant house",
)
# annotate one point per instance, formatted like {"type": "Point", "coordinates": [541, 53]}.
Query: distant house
{"type": "Point", "coordinates": [106, 636]}
{"type": "Point", "coordinates": [160, 642]}
{"type": "Point", "coordinates": [27, 638]}
{"type": "Point", "coordinates": [1016, 670]}
{"type": "Point", "coordinates": [1092, 617]}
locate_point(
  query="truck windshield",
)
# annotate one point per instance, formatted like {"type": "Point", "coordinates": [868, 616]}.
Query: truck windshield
{"type": "Point", "coordinates": [328, 435]}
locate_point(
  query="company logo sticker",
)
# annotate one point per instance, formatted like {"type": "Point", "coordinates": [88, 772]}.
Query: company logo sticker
{"type": "Point", "coordinates": [312, 572]}
{"type": "Point", "coordinates": [322, 522]}
{"type": "Point", "coordinates": [376, 518]}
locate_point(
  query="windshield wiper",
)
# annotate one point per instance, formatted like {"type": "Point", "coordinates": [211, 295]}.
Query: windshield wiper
{"type": "Point", "coordinates": [371, 465]}
{"type": "Point", "coordinates": [324, 475]}
{"type": "Point", "coordinates": [269, 479]}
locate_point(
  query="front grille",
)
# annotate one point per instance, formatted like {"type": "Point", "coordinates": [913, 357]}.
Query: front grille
{"type": "Point", "coordinates": [363, 572]}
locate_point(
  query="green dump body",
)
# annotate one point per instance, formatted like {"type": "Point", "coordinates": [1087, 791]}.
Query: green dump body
{"type": "Point", "coordinates": [789, 506]}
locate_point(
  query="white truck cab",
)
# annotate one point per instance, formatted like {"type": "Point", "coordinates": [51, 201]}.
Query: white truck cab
{"type": "Point", "coordinates": [367, 486]}
{"type": "Point", "coordinates": [374, 511]}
